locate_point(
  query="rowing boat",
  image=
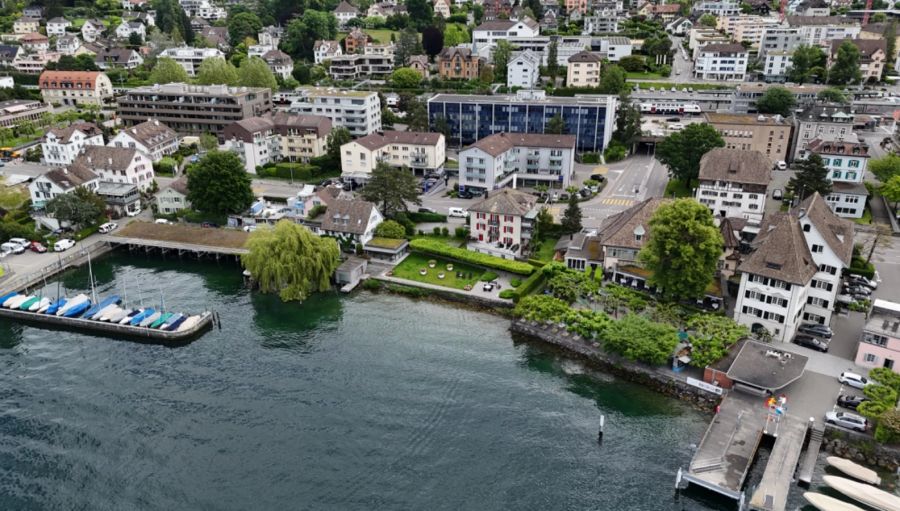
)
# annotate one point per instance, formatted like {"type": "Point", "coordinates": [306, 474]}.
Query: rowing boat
{"type": "Point", "coordinates": [867, 494]}
{"type": "Point", "coordinates": [854, 470]}
{"type": "Point", "coordinates": [826, 503]}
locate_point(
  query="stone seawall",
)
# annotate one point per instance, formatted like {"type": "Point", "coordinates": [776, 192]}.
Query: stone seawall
{"type": "Point", "coordinates": [659, 380]}
{"type": "Point", "coordinates": [861, 449]}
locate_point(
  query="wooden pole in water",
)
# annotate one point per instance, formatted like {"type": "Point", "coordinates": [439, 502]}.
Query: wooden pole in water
{"type": "Point", "coordinates": [600, 433]}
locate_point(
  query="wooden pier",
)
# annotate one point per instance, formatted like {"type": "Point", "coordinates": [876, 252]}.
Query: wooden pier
{"type": "Point", "coordinates": [772, 492]}
{"type": "Point", "coordinates": [151, 245]}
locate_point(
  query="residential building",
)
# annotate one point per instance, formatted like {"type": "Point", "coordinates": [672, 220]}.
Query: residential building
{"type": "Point", "coordinates": [68, 45]}
{"type": "Point", "coordinates": [747, 28]}
{"type": "Point", "coordinates": [193, 109]}
{"type": "Point", "coordinates": [6, 82]}
{"type": "Point", "coordinates": [721, 62]}
{"type": "Point", "coordinates": [254, 140]}
{"type": "Point", "coordinates": [517, 159]}
{"type": "Point", "coordinates": [502, 223]}
{"type": "Point", "coordinates": [127, 28]}
{"type": "Point", "coordinates": [821, 30]}
{"type": "Point", "coordinates": [263, 140]}
{"type": "Point", "coordinates": [733, 183]}
{"type": "Point", "coordinates": [118, 165]}
{"type": "Point", "coordinates": [326, 50]}
{"type": "Point", "coordinates": [831, 122]}
{"type": "Point", "coordinates": [716, 7]}
{"type": "Point", "coordinates": [345, 12]}
{"type": "Point", "coordinates": [356, 41]}
{"type": "Point", "coordinates": [8, 54]}
{"type": "Point", "coordinates": [92, 30]}
{"type": "Point", "coordinates": [358, 111]}
{"type": "Point", "coordinates": [776, 65]}
{"type": "Point", "coordinates": [56, 182]}
{"type": "Point", "coordinates": [846, 163]}
{"type": "Point", "coordinates": [768, 134]}
{"type": "Point", "coordinates": [33, 63]}
{"type": "Point", "coordinates": [702, 37]}
{"type": "Point", "coordinates": [352, 221]}
{"type": "Point", "coordinates": [60, 146]}
{"type": "Point", "coordinates": [190, 58]}
{"type": "Point", "coordinates": [75, 88]}
{"type": "Point", "coordinates": [57, 26]}
{"type": "Point", "coordinates": [663, 12]}
{"type": "Point", "coordinates": [26, 25]}
{"type": "Point", "coordinates": [217, 36]}
{"type": "Point", "coordinates": [523, 70]}
{"type": "Point", "coordinates": [351, 67]}
{"type": "Point", "coordinates": [746, 94]}
{"type": "Point", "coordinates": [879, 344]}
{"type": "Point", "coordinates": [380, 49]}
{"type": "Point", "coordinates": [153, 138]}
{"type": "Point", "coordinates": [615, 47]}
{"type": "Point", "coordinates": [489, 32]}
{"type": "Point", "coordinates": [872, 56]}
{"type": "Point", "coordinates": [280, 63]}
{"type": "Point", "coordinates": [15, 111]}
{"type": "Point", "coordinates": [459, 63]}
{"type": "Point", "coordinates": [471, 117]}
{"type": "Point", "coordinates": [794, 272]}
{"type": "Point", "coordinates": [602, 21]}
{"type": "Point", "coordinates": [121, 198]}
{"type": "Point", "coordinates": [442, 8]}
{"type": "Point", "coordinates": [173, 198]}
{"type": "Point", "coordinates": [580, 6]}
{"type": "Point", "coordinates": [302, 137]}
{"type": "Point", "coordinates": [680, 26]}
{"type": "Point", "coordinates": [33, 11]}
{"type": "Point", "coordinates": [583, 70]}
{"type": "Point", "coordinates": [123, 58]}
{"type": "Point", "coordinates": [876, 31]}
{"type": "Point", "coordinates": [419, 63]}
{"type": "Point", "coordinates": [35, 43]}
{"type": "Point", "coordinates": [420, 152]}
{"type": "Point", "coordinates": [779, 38]}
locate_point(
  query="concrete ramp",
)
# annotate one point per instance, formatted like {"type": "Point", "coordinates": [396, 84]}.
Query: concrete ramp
{"type": "Point", "coordinates": [772, 493]}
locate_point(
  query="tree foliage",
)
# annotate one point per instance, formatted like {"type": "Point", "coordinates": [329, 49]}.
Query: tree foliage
{"type": "Point", "coordinates": [553, 60]}
{"type": "Point", "coordinates": [502, 55]}
{"type": "Point", "coordinates": [886, 167]}
{"type": "Point", "coordinates": [242, 26]}
{"type": "Point", "coordinates": [80, 208]}
{"type": "Point", "coordinates": [390, 229]}
{"type": "Point", "coordinates": [171, 19]}
{"type": "Point", "coordinates": [455, 34]}
{"type": "Point", "coordinates": [337, 138]}
{"type": "Point", "coordinates": [776, 100]}
{"type": "Point", "coordinates": [407, 45]}
{"type": "Point", "coordinates": [832, 95]}
{"type": "Point", "coordinates": [555, 126]}
{"type": "Point", "coordinates": [891, 189]}
{"type": "Point", "coordinates": [682, 250]}
{"type": "Point", "coordinates": [628, 122]}
{"type": "Point", "coordinates": [301, 33]}
{"type": "Point", "coordinates": [405, 78]}
{"type": "Point", "coordinates": [845, 69]}
{"type": "Point", "coordinates": [637, 338]}
{"type": "Point", "coordinates": [612, 80]}
{"type": "Point", "coordinates": [568, 285]}
{"type": "Point", "coordinates": [217, 70]}
{"type": "Point", "coordinates": [541, 308]}
{"type": "Point", "coordinates": [811, 176]}
{"type": "Point", "coordinates": [682, 150]}
{"type": "Point", "coordinates": [890, 37]}
{"type": "Point", "coordinates": [217, 184]}
{"type": "Point", "coordinates": [708, 20]}
{"type": "Point", "coordinates": [254, 72]}
{"type": "Point", "coordinates": [432, 41]}
{"type": "Point", "coordinates": [421, 13]}
{"type": "Point", "coordinates": [291, 261]}
{"type": "Point", "coordinates": [391, 189]}
{"type": "Point", "coordinates": [168, 71]}
{"type": "Point", "coordinates": [571, 221]}
{"type": "Point", "coordinates": [807, 62]}
{"type": "Point", "coordinates": [711, 336]}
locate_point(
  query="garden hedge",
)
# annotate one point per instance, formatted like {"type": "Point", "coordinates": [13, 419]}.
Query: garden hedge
{"type": "Point", "coordinates": [439, 248]}
{"type": "Point", "coordinates": [426, 217]}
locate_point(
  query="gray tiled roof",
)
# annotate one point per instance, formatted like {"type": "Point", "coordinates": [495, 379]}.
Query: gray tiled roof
{"type": "Point", "coordinates": [349, 216]}
{"type": "Point", "coordinates": [781, 251]}
{"type": "Point", "coordinates": [499, 143]}
{"type": "Point", "coordinates": [736, 166]}
{"type": "Point", "coordinates": [506, 201]}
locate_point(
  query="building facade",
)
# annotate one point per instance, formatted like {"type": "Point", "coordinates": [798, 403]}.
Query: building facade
{"type": "Point", "coordinates": [879, 345]}
{"type": "Point", "coordinates": [459, 64]}
{"type": "Point", "coordinates": [190, 58]}
{"type": "Point", "coordinates": [60, 146]}
{"type": "Point", "coordinates": [75, 88]}
{"type": "Point", "coordinates": [358, 111]}
{"type": "Point", "coordinates": [517, 159]}
{"type": "Point", "coordinates": [583, 70]}
{"type": "Point", "coordinates": [61, 181]}
{"type": "Point", "coordinates": [733, 183]}
{"type": "Point", "coordinates": [769, 134]}
{"type": "Point", "coordinates": [523, 70]}
{"type": "Point", "coordinates": [422, 153]}
{"type": "Point", "coordinates": [153, 138]}
{"type": "Point", "coordinates": [846, 164]}
{"type": "Point", "coordinates": [502, 223]}
{"type": "Point", "coordinates": [721, 62]}
{"type": "Point", "coordinates": [118, 165]}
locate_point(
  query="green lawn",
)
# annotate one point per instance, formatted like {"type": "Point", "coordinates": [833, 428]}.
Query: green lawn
{"type": "Point", "coordinates": [17, 141]}
{"type": "Point", "coordinates": [545, 251]}
{"type": "Point", "coordinates": [676, 188]}
{"type": "Point", "coordinates": [644, 75]}
{"type": "Point", "coordinates": [866, 218]}
{"type": "Point", "coordinates": [380, 35]}
{"type": "Point", "coordinates": [410, 269]}
{"type": "Point", "coordinates": [451, 240]}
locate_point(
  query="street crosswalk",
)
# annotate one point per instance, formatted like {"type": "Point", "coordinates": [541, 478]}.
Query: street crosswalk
{"type": "Point", "coordinates": [617, 202]}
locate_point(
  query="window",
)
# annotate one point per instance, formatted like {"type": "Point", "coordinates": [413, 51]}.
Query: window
{"type": "Point", "coordinates": [806, 227]}
{"type": "Point", "coordinates": [817, 249]}
{"type": "Point", "coordinates": [837, 162]}
{"type": "Point", "coordinates": [870, 358]}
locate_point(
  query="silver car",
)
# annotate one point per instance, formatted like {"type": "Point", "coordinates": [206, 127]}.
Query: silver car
{"type": "Point", "coordinates": [847, 420]}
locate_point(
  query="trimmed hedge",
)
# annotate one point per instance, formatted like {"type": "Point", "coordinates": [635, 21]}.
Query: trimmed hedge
{"type": "Point", "coordinates": [426, 217]}
{"type": "Point", "coordinates": [439, 248]}
{"type": "Point", "coordinates": [530, 284]}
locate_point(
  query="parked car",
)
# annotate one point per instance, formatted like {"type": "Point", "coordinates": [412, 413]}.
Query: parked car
{"type": "Point", "coordinates": [63, 245]}
{"type": "Point", "coordinates": [808, 341]}
{"type": "Point", "coordinates": [781, 165]}
{"type": "Point", "coordinates": [108, 227]}
{"type": "Point", "coordinates": [777, 194]}
{"type": "Point", "coordinates": [12, 248]}
{"type": "Point", "coordinates": [457, 212]}
{"type": "Point", "coordinates": [427, 210]}
{"type": "Point", "coordinates": [465, 194]}
{"type": "Point", "coordinates": [162, 221]}
{"type": "Point", "coordinates": [136, 212]}
{"type": "Point", "coordinates": [858, 290]}
{"type": "Point", "coordinates": [817, 330]}
{"type": "Point", "coordinates": [847, 420]}
{"type": "Point", "coordinates": [859, 280]}
{"type": "Point", "coordinates": [854, 380]}
{"type": "Point", "coordinates": [21, 241]}
{"type": "Point", "coordinates": [845, 299]}
{"type": "Point", "coordinates": [598, 177]}
{"type": "Point", "coordinates": [851, 402]}
{"type": "Point", "coordinates": [564, 197]}
{"type": "Point", "coordinates": [36, 246]}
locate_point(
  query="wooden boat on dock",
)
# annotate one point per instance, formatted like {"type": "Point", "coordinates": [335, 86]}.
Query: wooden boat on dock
{"type": "Point", "coordinates": [864, 493]}
{"type": "Point", "coordinates": [826, 503]}
{"type": "Point", "coordinates": [854, 470]}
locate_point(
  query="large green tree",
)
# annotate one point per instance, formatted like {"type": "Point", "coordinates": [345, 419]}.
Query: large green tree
{"type": "Point", "coordinates": [682, 250]}
{"type": "Point", "coordinates": [637, 338]}
{"type": "Point", "coordinates": [405, 78]}
{"type": "Point", "coordinates": [776, 100]}
{"type": "Point", "coordinates": [242, 26]}
{"type": "Point", "coordinates": [337, 138]}
{"type": "Point", "coordinates": [81, 208]}
{"type": "Point", "coordinates": [555, 126]}
{"type": "Point", "coordinates": [168, 71]}
{"type": "Point", "coordinates": [571, 221]}
{"type": "Point", "coordinates": [254, 72]}
{"type": "Point", "coordinates": [421, 13]}
{"type": "Point", "coordinates": [807, 62]}
{"type": "Point", "coordinates": [217, 70]}
{"type": "Point", "coordinates": [612, 80]}
{"type": "Point", "coordinates": [432, 41]}
{"type": "Point", "coordinates": [832, 95]}
{"type": "Point", "coordinates": [711, 336]}
{"type": "Point", "coordinates": [290, 260]}
{"type": "Point", "coordinates": [845, 70]}
{"type": "Point", "coordinates": [628, 121]}
{"type": "Point", "coordinates": [407, 45]}
{"type": "Point", "coordinates": [455, 34]}
{"type": "Point", "coordinates": [886, 167]}
{"type": "Point", "coordinates": [303, 32]}
{"type": "Point", "coordinates": [811, 176]}
{"type": "Point", "coordinates": [890, 37]}
{"type": "Point", "coordinates": [682, 150]}
{"type": "Point", "coordinates": [553, 60]}
{"type": "Point", "coordinates": [391, 189]}
{"type": "Point", "coordinates": [218, 184]}
{"type": "Point", "coordinates": [502, 54]}
{"type": "Point", "coordinates": [171, 19]}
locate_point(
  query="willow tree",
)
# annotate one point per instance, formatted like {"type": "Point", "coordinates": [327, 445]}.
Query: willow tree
{"type": "Point", "coordinates": [290, 260]}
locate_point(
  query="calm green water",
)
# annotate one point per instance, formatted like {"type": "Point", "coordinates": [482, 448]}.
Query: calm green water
{"type": "Point", "coordinates": [362, 402]}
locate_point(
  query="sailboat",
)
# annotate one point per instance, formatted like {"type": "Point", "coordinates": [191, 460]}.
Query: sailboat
{"type": "Point", "coordinates": [106, 302]}
{"type": "Point", "coordinates": [140, 317]}
{"type": "Point", "coordinates": [15, 302]}
{"type": "Point", "coordinates": [173, 327]}
{"type": "Point", "coordinates": [7, 296]}
{"type": "Point", "coordinates": [104, 310]}
{"type": "Point", "coordinates": [149, 320]}
{"type": "Point", "coordinates": [868, 495]}
{"type": "Point", "coordinates": [826, 503]}
{"type": "Point", "coordinates": [189, 323]}
{"type": "Point", "coordinates": [161, 320]}
{"type": "Point", "coordinates": [77, 309]}
{"type": "Point", "coordinates": [55, 306]}
{"type": "Point", "coordinates": [27, 303]}
{"type": "Point", "coordinates": [71, 303]}
{"type": "Point", "coordinates": [43, 302]}
{"type": "Point", "coordinates": [172, 319]}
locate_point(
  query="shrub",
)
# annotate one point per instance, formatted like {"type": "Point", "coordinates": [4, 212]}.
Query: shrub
{"type": "Point", "coordinates": [637, 338]}
{"type": "Point", "coordinates": [487, 276]}
{"type": "Point", "coordinates": [507, 294]}
{"type": "Point", "coordinates": [541, 308]}
{"type": "Point", "coordinates": [317, 210]}
{"type": "Point", "coordinates": [515, 282]}
{"type": "Point", "coordinates": [436, 231]}
{"type": "Point", "coordinates": [404, 220]}
{"type": "Point", "coordinates": [531, 283]}
{"type": "Point", "coordinates": [390, 229]}
{"type": "Point", "coordinates": [415, 292]}
{"type": "Point", "coordinates": [590, 158]}
{"type": "Point", "coordinates": [616, 151]}
{"type": "Point", "coordinates": [439, 248]}
{"type": "Point", "coordinates": [462, 232]}
{"type": "Point", "coordinates": [87, 231]}
{"type": "Point", "coordinates": [371, 284]}
{"type": "Point", "coordinates": [426, 217]}
{"type": "Point", "coordinates": [445, 232]}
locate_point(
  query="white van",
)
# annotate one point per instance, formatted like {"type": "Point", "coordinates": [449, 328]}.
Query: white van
{"type": "Point", "coordinates": [21, 241]}
{"type": "Point", "coordinates": [457, 212]}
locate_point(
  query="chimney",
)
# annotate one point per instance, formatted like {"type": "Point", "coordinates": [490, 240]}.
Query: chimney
{"type": "Point", "coordinates": [801, 213]}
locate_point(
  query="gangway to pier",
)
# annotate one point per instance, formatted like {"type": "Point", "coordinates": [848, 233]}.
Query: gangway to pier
{"type": "Point", "coordinates": [773, 489]}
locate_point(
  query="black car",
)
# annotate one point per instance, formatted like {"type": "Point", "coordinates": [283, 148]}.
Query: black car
{"type": "Point", "coordinates": [465, 194]}
{"type": "Point", "coordinates": [808, 341]}
{"type": "Point", "coordinates": [598, 178]}
{"type": "Point", "coordinates": [851, 402]}
{"type": "Point", "coordinates": [858, 290]}
{"type": "Point", "coordinates": [816, 330]}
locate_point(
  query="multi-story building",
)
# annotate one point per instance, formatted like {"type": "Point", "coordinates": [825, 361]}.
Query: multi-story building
{"type": "Point", "coordinates": [56, 182]}
{"type": "Point", "coordinates": [193, 109]}
{"type": "Point", "coordinates": [127, 28]}
{"type": "Point", "coordinates": [92, 30]}
{"type": "Point", "coordinates": [703, 36]}
{"type": "Point", "coordinates": [254, 140]}
{"type": "Point", "coordinates": [122, 58]}
{"type": "Point", "coordinates": [821, 30]}
{"type": "Point", "coordinates": [345, 12]}
{"type": "Point", "coordinates": [358, 111]}
{"type": "Point", "coordinates": [517, 159]}
{"type": "Point", "coordinates": [872, 56]}
{"type": "Point", "coordinates": [422, 153]}
{"type": "Point", "coordinates": [489, 32]}
{"type": "Point", "coordinates": [746, 27]}
{"type": "Point", "coordinates": [262, 140]}
{"type": "Point", "coordinates": [717, 7]}
{"type": "Point", "coordinates": [32, 63]}
{"type": "Point", "coordinates": [60, 146]}
{"type": "Point", "coordinates": [280, 63]}
{"type": "Point", "coordinates": [459, 63]}
{"type": "Point", "coordinates": [173, 198]}
{"type": "Point", "coordinates": [879, 345]}
{"type": "Point", "coordinates": [15, 111]}
{"type": "Point", "coordinates": [351, 67]}
{"type": "Point", "coordinates": [302, 137]}
{"type": "Point", "coordinates": [523, 70]}
{"type": "Point", "coordinates": [442, 8]}
{"type": "Point", "coordinates": [793, 273]}
{"type": "Point", "coordinates": [502, 223]}
{"type": "Point", "coordinates": [779, 38]}
{"type": "Point", "coordinates": [356, 41]}
{"type": "Point", "coordinates": [768, 134]}
{"type": "Point", "coordinates": [679, 26]}
{"type": "Point", "coordinates": [776, 65]}
{"type": "Point", "coordinates": [57, 26]}
{"type": "Point", "coordinates": [68, 45]}
{"type": "Point", "coordinates": [75, 88]}
{"type": "Point", "coordinates": [746, 94]}
{"type": "Point", "coordinates": [721, 62]}
{"type": "Point", "coordinates": [846, 163]}
{"type": "Point", "coordinates": [580, 6]}
{"type": "Point", "coordinates": [733, 183]}
{"type": "Point", "coordinates": [153, 138]}
{"type": "Point", "coordinates": [663, 12]}
{"type": "Point", "coordinates": [118, 165]}
{"type": "Point", "coordinates": [615, 47]}
{"type": "Point", "coordinates": [830, 122]}
{"type": "Point", "coordinates": [590, 118]}
{"type": "Point", "coordinates": [876, 31]}
{"type": "Point", "coordinates": [26, 25]}
{"type": "Point", "coordinates": [35, 43]}
{"type": "Point", "coordinates": [190, 58]}
{"type": "Point", "coordinates": [326, 50]}
{"type": "Point", "coordinates": [583, 70]}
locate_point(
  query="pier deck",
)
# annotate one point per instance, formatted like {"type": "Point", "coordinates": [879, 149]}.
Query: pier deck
{"type": "Point", "coordinates": [176, 246]}
{"type": "Point", "coordinates": [772, 492]}
{"type": "Point", "coordinates": [812, 453]}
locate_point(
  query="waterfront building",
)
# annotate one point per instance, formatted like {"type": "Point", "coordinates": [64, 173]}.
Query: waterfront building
{"type": "Point", "coordinates": [879, 345]}
{"type": "Point", "coordinates": [872, 56]}
{"type": "Point", "coordinates": [75, 88]}
{"type": "Point", "coordinates": [846, 164]}
{"type": "Point", "coordinates": [733, 183]}
{"type": "Point", "coordinates": [590, 118]}
{"type": "Point", "coordinates": [502, 223]}
{"type": "Point", "coordinates": [153, 138]}
{"type": "Point", "coordinates": [56, 182]}
{"type": "Point", "coordinates": [15, 111]}
{"type": "Point", "coordinates": [193, 109]}
{"type": "Point", "coordinates": [358, 111]}
{"type": "Point", "coordinates": [173, 198]}
{"type": "Point", "coordinates": [721, 62]}
{"type": "Point", "coordinates": [517, 159]}
{"type": "Point", "coordinates": [60, 146]}
{"type": "Point", "coordinates": [422, 153]}
{"type": "Point", "coordinates": [769, 134]}
{"type": "Point", "coordinates": [122, 198]}
{"type": "Point", "coordinates": [583, 70]}
{"type": "Point", "coordinates": [190, 58]}
{"type": "Point", "coordinates": [352, 221]}
{"type": "Point", "coordinates": [523, 70]}
{"type": "Point", "coordinates": [118, 165]}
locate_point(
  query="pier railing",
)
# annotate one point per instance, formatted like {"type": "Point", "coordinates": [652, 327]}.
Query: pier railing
{"type": "Point", "coordinates": [62, 263]}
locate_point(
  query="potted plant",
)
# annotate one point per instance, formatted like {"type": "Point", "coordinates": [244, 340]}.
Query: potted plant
{"type": "Point", "coordinates": [432, 263]}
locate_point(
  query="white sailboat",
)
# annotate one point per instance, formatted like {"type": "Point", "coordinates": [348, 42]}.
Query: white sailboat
{"type": "Point", "coordinates": [867, 494]}
{"type": "Point", "coordinates": [77, 300]}
{"type": "Point", "coordinates": [826, 503]}
{"type": "Point", "coordinates": [854, 470]}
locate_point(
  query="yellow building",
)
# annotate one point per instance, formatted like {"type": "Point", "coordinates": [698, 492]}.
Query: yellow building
{"type": "Point", "coordinates": [768, 134]}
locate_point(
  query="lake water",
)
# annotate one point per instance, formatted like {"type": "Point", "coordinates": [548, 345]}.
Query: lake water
{"type": "Point", "coordinates": [361, 402]}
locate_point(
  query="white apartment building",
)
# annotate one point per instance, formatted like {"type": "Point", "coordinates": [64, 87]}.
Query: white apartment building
{"type": "Point", "coordinates": [61, 181]}
{"type": "Point", "coordinates": [746, 27]}
{"type": "Point", "coordinates": [254, 140]}
{"type": "Point", "coordinates": [717, 7]}
{"type": "Point", "coordinates": [776, 65]}
{"type": "Point", "coordinates": [583, 70]}
{"type": "Point", "coordinates": [721, 62]}
{"type": "Point", "coordinates": [118, 165]}
{"type": "Point", "coordinates": [821, 30]}
{"type": "Point", "coordinates": [779, 38]}
{"type": "Point", "coordinates": [523, 70]}
{"type": "Point", "coordinates": [489, 32]}
{"type": "Point", "coordinates": [60, 146]}
{"type": "Point", "coordinates": [517, 159]}
{"type": "Point", "coordinates": [92, 30]}
{"type": "Point", "coordinates": [846, 163]}
{"type": "Point", "coordinates": [733, 183]}
{"type": "Point", "coordinates": [68, 45]}
{"type": "Point", "coordinates": [26, 25]}
{"type": "Point", "coordinates": [190, 58]}
{"type": "Point", "coordinates": [173, 198]}
{"type": "Point", "coordinates": [616, 47]}
{"type": "Point", "coordinates": [420, 152]}
{"type": "Point", "coordinates": [358, 111]}
{"type": "Point", "coordinates": [153, 138]}
{"type": "Point", "coordinates": [57, 26]}
{"type": "Point", "coordinates": [126, 28]}
{"type": "Point", "coordinates": [262, 140]}
{"type": "Point", "coordinates": [326, 50]}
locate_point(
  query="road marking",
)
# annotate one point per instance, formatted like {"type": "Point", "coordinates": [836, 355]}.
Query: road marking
{"type": "Point", "coordinates": [617, 202]}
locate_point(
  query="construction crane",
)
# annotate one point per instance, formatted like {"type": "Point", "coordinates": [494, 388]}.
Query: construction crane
{"type": "Point", "coordinates": [865, 20]}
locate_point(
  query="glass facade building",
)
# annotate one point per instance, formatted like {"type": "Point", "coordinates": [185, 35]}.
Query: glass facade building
{"type": "Point", "coordinates": [470, 118]}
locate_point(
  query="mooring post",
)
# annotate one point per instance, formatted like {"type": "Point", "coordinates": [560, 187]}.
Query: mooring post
{"type": "Point", "coordinates": [600, 433]}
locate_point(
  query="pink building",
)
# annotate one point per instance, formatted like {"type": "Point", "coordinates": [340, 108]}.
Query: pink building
{"type": "Point", "coordinates": [576, 5]}
{"type": "Point", "coordinates": [880, 343]}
